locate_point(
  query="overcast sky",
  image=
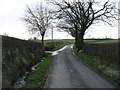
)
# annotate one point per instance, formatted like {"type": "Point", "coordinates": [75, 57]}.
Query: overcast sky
{"type": "Point", "coordinates": [12, 10]}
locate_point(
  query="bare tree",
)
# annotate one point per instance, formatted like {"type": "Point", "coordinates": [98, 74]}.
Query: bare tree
{"type": "Point", "coordinates": [77, 16]}
{"type": "Point", "coordinates": [38, 20]}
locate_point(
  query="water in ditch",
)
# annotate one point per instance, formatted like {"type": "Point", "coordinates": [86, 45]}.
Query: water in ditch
{"type": "Point", "coordinates": [21, 81]}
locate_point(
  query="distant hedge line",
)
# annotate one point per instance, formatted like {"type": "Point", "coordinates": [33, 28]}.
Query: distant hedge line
{"type": "Point", "coordinates": [108, 51]}
{"type": "Point", "coordinates": [17, 56]}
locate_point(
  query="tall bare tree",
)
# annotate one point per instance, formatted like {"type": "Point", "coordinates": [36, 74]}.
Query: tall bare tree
{"type": "Point", "coordinates": [78, 15]}
{"type": "Point", "coordinates": [38, 20]}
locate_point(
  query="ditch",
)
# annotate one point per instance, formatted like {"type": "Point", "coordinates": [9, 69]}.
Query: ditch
{"type": "Point", "coordinates": [21, 81]}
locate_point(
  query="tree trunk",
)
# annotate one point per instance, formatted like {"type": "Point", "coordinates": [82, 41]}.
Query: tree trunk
{"type": "Point", "coordinates": [79, 38]}
{"type": "Point", "coordinates": [42, 40]}
{"type": "Point", "coordinates": [79, 42]}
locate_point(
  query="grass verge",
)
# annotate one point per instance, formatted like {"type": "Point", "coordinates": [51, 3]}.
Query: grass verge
{"type": "Point", "coordinates": [111, 70]}
{"type": "Point", "coordinates": [37, 77]}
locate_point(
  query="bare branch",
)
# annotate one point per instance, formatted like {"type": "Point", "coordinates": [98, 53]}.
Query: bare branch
{"type": "Point", "coordinates": [37, 19]}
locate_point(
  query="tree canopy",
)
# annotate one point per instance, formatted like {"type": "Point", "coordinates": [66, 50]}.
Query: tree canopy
{"type": "Point", "coordinates": [78, 15]}
{"type": "Point", "coordinates": [38, 19]}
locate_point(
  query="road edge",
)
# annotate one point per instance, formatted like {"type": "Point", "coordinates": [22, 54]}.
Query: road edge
{"type": "Point", "coordinates": [92, 68]}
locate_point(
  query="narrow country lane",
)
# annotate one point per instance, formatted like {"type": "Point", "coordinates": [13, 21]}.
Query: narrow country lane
{"type": "Point", "coordinates": [68, 71]}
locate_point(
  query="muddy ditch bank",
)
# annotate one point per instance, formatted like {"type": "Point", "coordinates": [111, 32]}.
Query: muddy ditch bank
{"type": "Point", "coordinates": [22, 79]}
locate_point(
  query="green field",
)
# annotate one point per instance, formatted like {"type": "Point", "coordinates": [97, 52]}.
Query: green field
{"type": "Point", "coordinates": [95, 41]}
{"type": "Point", "coordinates": [102, 41]}
{"type": "Point", "coordinates": [58, 40]}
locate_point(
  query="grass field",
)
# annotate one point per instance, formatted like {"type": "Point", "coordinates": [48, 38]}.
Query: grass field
{"type": "Point", "coordinates": [103, 41]}
{"type": "Point", "coordinates": [57, 40]}
{"type": "Point", "coordinates": [96, 41]}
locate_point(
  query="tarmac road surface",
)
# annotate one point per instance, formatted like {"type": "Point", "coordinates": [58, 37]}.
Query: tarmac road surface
{"type": "Point", "coordinates": [68, 71]}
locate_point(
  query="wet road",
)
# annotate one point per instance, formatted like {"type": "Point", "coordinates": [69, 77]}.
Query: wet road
{"type": "Point", "coordinates": [68, 71]}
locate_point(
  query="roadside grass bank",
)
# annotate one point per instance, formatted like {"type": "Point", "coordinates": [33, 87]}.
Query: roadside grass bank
{"type": "Point", "coordinates": [17, 57]}
{"type": "Point", "coordinates": [37, 77]}
{"type": "Point", "coordinates": [111, 70]}
{"type": "Point", "coordinates": [107, 51]}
